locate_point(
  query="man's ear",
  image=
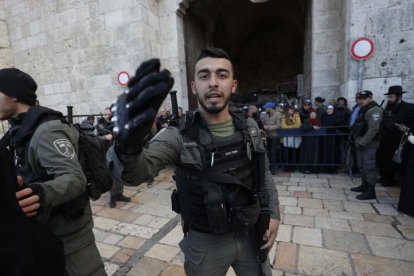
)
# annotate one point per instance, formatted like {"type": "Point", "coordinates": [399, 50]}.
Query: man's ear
{"type": "Point", "coordinates": [234, 87]}
{"type": "Point", "coordinates": [193, 88]}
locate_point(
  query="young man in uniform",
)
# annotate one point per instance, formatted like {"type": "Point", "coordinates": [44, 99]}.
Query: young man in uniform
{"type": "Point", "coordinates": [214, 173]}
{"type": "Point", "coordinates": [45, 151]}
{"type": "Point", "coordinates": [366, 134]}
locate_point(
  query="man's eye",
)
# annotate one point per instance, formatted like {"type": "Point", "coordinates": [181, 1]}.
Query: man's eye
{"type": "Point", "coordinates": [223, 75]}
{"type": "Point", "coordinates": [203, 76]}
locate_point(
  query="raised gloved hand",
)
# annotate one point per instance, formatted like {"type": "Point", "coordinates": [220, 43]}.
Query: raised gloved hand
{"type": "Point", "coordinates": [136, 108]}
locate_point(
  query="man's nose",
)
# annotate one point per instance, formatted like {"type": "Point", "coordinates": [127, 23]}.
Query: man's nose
{"type": "Point", "coordinates": [213, 81]}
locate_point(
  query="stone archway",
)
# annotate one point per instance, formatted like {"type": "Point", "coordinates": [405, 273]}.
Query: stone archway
{"type": "Point", "coordinates": [266, 41]}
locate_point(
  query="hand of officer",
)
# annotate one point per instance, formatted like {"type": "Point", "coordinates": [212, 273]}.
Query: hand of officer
{"type": "Point", "coordinates": [411, 139]}
{"type": "Point", "coordinates": [136, 108]}
{"type": "Point", "coordinates": [28, 201]}
{"type": "Point", "coordinates": [271, 233]}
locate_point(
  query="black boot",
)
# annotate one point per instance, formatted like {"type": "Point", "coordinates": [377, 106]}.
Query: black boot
{"type": "Point", "coordinates": [368, 194]}
{"type": "Point", "coordinates": [122, 198]}
{"type": "Point", "coordinates": [112, 202]}
{"type": "Point", "coordinates": [360, 188]}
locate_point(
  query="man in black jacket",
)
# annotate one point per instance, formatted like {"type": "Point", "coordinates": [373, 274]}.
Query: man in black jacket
{"type": "Point", "coordinates": [396, 111]}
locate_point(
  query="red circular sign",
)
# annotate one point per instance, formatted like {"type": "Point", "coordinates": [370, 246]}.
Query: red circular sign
{"type": "Point", "coordinates": [362, 48]}
{"type": "Point", "coordinates": [123, 78]}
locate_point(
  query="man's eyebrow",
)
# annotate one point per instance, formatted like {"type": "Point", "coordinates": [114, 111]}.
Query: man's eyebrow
{"type": "Point", "coordinates": [220, 70]}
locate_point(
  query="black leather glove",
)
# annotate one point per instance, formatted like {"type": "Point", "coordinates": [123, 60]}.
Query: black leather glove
{"type": "Point", "coordinates": [136, 108]}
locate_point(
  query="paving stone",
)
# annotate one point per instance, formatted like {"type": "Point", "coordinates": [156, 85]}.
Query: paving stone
{"type": "Point", "coordinates": [106, 250]}
{"type": "Point", "coordinates": [148, 267]}
{"type": "Point", "coordinates": [297, 188]}
{"type": "Point", "coordinates": [284, 233]}
{"type": "Point", "coordinates": [279, 273]}
{"type": "Point", "coordinates": [142, 198]}
{"type": "Point", "coordinates": [289, 183]}
{"type": "Point", "coordinates": [307, 236]}
{"type": "Point", "coordinates": [320, 261]}
{"type": "Point", "coordinates": [96, 208]}
{"type": "Point", "coordinates": [310, 203]}
{"type": "Point", "coordinates": [163, 252]}
{"type": "Point", "coordinates": [315, 212]}
{"type": "Point", "coordinates": [346, 215]}
{"type": "Point", "coordinates": [394, 193]}
{"type": "Point", "coordinates": [330, 195]}
{"type": "Point", "coordinates": [175, 236]}
{"type": "Point", "coordinates": [144, 219]}
{"type": "Point", "coordinates": [405, 220]}
{"type": "Point", "coordinates": [334, 205]}
{"type": "Point", "coordinates": [314, 180]}
{"type": "Point", "coordinates": [128, 206]}
{"type": "Point", "coordinates": [301, 194]}
{"type": "Point", "coordinates": [332, 224]}
{"type": "Point", "coordinates": [378, 266]}
{"type": "Point", "coordinates": [173, 270]}
{"type": "Point", "coordinates": [158, 222]}
{"type": "Point", "coordinates": [407, 231]}
{"type": "Point", "coordinates": [132, 242]}
{"type": "Point", "coordinates": [378, 218]}
{"type": "Point", "coordinates": [388, 200]}
{"type": "Point", "coordinates": [155, 209]}
{"type": "Point", "coordinates": [295, 179]}
{"type": "Point", "coordinates": [286, 257]}
{"type": "Point", "coordinates": [391, 248]}
{"type": "Point", "coordinates": [374, 228]}
{"type": "Point", "coordinates": [386, 209]}
{"type": "Point", "coordinates": [345, 241]}
{"type": "Point", "coordinates": [292, 210]}
{"type": "Point", "coordinates": [285, 194]}
{"type": "Point", "coordinates": [359, 207]}
{"type": "Point", "coordinates": [99, 234]}
{"type": "Point", "coordinates": [281, 187]}
{"type": "Point", "coordinates": [113, 239]}
{"type": "Point", "coordinates": [110, 268]}
{"type": "Point", "coordinates": [288, 201]}
{"type": "Point", "coordinates": [104, 223]}
{"type": "Point", "coordinates": [299, 220]}
{"type": "Point", "coordinates": [122, 256]}
{"type": "Point", "coordinates": [134, 230]}
{"type": "Point", "coordinates": [353, 198]}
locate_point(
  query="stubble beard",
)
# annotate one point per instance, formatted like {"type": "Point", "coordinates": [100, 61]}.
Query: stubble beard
{"type": "Point", "coordinates": [214, 108]}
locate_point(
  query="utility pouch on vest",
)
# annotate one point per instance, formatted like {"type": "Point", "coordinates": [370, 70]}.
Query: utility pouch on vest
{"type": "Point", "coordinates": [245, 217]}
{"type": "Point", "coordinates": [76, 207]}
{"type": "Point", "coordinates": [216, 210]}
{"type": "Point", "coordinates": [175, 201]}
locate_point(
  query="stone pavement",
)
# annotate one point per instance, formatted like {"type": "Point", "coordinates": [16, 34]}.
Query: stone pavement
{"type": "Point", "coordinates": [324, 230]}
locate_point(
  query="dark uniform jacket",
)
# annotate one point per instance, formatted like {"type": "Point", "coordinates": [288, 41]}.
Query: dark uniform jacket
{"type": "Point", "coordinates": [167, 148]}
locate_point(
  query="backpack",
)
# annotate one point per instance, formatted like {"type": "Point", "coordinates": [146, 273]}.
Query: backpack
{"type": "Point", "coordinates": [92, 157]}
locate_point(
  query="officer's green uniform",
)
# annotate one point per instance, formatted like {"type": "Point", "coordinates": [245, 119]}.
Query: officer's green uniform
{"type": "Point", "coordinates": [52, 154]}
{"type": "Point", "coordinates": [366, 133]}
{"type": "Point", "coordinates": [206, 253]}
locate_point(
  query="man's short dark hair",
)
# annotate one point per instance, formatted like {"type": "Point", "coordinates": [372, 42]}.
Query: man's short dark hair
{"type": "Point", "coordinates": [215, 53]}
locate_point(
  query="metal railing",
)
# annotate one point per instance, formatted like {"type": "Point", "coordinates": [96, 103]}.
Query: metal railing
{"type": "Point", "coordinates": [323, 150]}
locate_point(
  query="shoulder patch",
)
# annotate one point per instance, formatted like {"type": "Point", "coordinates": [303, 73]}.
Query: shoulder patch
{"type": "Point", "coordinates": [376, 116]}
{"type": "Point", "coordinates": [253, 132]}
{"type": "Point", "coordinates": [65, 148]}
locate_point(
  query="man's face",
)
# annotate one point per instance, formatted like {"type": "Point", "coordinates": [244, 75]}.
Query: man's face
{"type": "Point", "coordinates": [341, 103]}
{"type": "Point", "coordinates": [392, 98]}
{"type": "Point", "coordinates": [365, 101]}
{"type": "Point", "coordinates": [358, 101]}
{"type": "Point", "coordinates": [8, 106]}
{"type": "Point", "coordinates": [107, 114]}
{"type": "Point", "coordinates": [214, 83]}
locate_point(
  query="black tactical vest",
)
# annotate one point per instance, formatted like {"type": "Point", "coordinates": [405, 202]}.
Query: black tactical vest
{"type": "Point", "coordinates": [210, 198]}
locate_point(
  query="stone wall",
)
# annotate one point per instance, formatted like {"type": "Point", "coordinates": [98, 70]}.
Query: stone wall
{"type": "Point", "coordinates": [75, 49]}
{"type": "Point", "coordinates": [390, 23]}
{"type": "Point", "coordinates": [6, 57]}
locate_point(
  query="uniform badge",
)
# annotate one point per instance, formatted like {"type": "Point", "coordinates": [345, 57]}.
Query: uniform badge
{"type": "Point", "coordinates": [375, 116]}
{"type": "Point", "coordinates": [253, 132]}
{"type": "Point", "coordinates": [64, 147]}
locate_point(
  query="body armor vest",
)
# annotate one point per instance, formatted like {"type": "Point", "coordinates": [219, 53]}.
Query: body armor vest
{"type": "Point", "coordinates": [360, 127]}
{"type": "Point", "coordinates": [211, 199]}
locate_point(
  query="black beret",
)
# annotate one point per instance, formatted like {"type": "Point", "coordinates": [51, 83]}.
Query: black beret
{"type": "Point", "coordinates": [17, 84]}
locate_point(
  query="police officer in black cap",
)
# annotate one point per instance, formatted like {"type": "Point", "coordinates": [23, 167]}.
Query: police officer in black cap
{"type": "Point", "coordinates": [366, 135]}
{"type": "Point", "coordinates": [396, 111]}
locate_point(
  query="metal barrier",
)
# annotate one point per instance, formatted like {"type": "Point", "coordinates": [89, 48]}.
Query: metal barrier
{"type": "Point", "coordinates": [78, 119]}
{"type": "Point", "coordinates": [312, 151]}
